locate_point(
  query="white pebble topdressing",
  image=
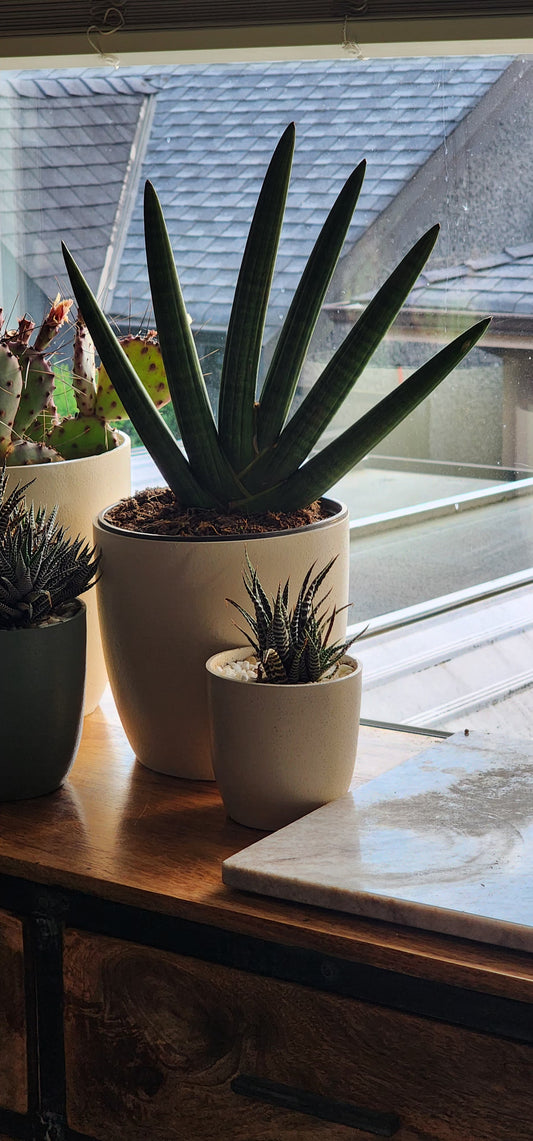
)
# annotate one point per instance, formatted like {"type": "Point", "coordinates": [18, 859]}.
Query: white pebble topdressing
{"type": "Point", "coordinates": [246, 670]}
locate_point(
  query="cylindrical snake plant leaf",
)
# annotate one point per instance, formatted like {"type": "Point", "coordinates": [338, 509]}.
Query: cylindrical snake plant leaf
{"type": "Point", "coordinates": [155, 434]}
{"type": "Point", "coordinates": [316, 476]}
{"type": "Point", "coordinates": [282, 377]}
{"type": "Point", "coordinates": [236, 416]}
{"type": "Point", "coordinates": [333, 385]}
{"type": "Point", "coordinates": [184, 373]}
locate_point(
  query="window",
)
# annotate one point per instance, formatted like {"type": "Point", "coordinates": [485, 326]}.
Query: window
{"type": "Point", "coordinates": [443, 505]}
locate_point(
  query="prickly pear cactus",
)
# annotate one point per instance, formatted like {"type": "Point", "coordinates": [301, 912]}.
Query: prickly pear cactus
{"type": "Point", "coordinates": [27, 407]}
{"type": "Point", "coordinates": [37, 389]}
{"type": "Point", "coordinates": [76, 437]}
{"type": "Point", "coordinates": [10, 393]}
{"type": "Point", "coordinates": [145, 356]}
{"type": "Point", "coordinates": [31, 430]}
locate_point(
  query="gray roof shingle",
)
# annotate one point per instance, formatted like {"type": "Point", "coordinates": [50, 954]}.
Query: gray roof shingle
{"type": "Point", "coordinates": [66, 136]}
{"type": "Point", "coordinates": [214, 131]}
{"type": "Point", "coordinates": [66, 141]}
{"type": "Point", "coordinates": [502, 283]}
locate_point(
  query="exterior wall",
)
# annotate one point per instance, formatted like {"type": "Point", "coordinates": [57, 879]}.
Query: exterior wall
{"type": "Point", "coordinates": [473, 185]}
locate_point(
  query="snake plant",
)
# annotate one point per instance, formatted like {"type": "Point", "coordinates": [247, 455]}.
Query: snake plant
{"type": "Point", "coordinates": [254, 458]}
{"type": "Point", "coordinates": [40, 568]}
{"type": "Point", "coordinates": [291, 646]}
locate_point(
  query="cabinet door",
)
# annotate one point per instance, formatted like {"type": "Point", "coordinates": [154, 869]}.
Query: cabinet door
{"type": "Point", "coordinates": [164, 1046]}
{"type": "Point", "coordinates": [13, 1068]}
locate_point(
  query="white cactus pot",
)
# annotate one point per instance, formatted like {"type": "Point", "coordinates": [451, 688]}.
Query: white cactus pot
{"type": "Point", "coordinates": [163, 613]}
{"type": "Point", "coordinates": [280, 751]}
{"type": "Point", "coordinates": [81, 488]}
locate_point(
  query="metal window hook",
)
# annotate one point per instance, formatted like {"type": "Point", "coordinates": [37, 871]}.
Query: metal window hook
{"type": "Point", "coordinates": [112, 21]}
{"type": "Point", "coordinates": [349, 45]}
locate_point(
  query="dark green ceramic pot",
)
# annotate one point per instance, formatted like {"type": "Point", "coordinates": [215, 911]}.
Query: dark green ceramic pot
{"type": "Point", "coordinates": [41, 704]}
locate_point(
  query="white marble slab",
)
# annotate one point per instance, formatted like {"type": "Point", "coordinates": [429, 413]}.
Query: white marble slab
{"type": "Point", "coordinates": [443, 842]}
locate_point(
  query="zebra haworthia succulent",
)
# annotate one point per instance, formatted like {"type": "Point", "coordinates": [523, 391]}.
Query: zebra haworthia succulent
{"type": "Point", "coordinates": [292, 646]}
{"type": "Point", "coordinates": [41, 569]}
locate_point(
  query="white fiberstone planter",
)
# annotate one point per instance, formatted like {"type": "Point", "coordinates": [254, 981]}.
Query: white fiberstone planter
{"type": "Point", "coordinates": [162, 614]}
{"type": "Point", "coordinates": [280, 751]}
{"type": "Point", "coordinates": [81, 488]}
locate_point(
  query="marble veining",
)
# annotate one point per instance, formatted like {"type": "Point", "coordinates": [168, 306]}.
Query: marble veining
{"type": "Point", "coordinates": [443, 842]}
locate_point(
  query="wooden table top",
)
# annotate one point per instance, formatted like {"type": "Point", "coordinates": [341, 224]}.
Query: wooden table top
{"type": "Point", "coordinates": [123, 833]}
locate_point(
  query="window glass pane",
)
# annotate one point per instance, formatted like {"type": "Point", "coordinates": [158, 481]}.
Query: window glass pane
{"type": "Point", "coordinates": [436, 507]}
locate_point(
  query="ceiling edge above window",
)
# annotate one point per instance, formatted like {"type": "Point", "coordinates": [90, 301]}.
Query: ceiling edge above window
{"type": "Point", "coordinates": [503, 31]}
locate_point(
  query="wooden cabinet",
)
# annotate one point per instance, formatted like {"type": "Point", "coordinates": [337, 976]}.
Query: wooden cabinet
{"type": "Point", "coordinates": [13, 1050]}
{"type": "Point", "coordinates": [154, 1041]}
{"type": "Point", "coordinates": [142, 999]}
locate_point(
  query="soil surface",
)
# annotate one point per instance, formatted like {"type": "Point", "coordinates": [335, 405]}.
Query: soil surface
{"type": "Point", "coordinates": [156, 511]}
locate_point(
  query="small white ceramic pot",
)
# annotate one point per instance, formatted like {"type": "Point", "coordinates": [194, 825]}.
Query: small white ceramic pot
{"type": "Point", "coordinates": [81, 488]}
{"type": "Point", "coordinates": [280, 751]}
{"type": "Point", "coordinates": [162, 614]}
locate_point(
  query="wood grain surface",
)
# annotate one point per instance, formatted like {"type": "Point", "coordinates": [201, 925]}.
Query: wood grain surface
{"type": "Point", "coordinates": [13, 1068]}
{"type": "Point", "coordinates": [154, 1039]}
{"type": "Point", "coordinates": [127, 834]}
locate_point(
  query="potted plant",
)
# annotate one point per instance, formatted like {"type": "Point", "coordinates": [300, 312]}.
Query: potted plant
{"type": "Point", "coordinates": [78, 459]}
{"type": "Point", "coordinates": [284, 715]}
{"type": "Point", "coordinates": [42, 645]}
{"type": "Point", "coordinates": [245, 479]}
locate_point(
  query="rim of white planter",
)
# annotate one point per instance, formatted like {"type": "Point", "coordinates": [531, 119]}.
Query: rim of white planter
{"type": "Point", "coordinates": [338, 511]}
{"type": "Point", "coordinates": [240, 653]}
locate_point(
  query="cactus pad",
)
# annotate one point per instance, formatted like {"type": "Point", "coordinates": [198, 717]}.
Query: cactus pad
{"type": "Point", "coordinates": [40, 427]}
{"type": "Point", "coordinates": [84, 372]}
{"type": "Point", "coordinates": [53, 321]}
{"type": "Point", "coordinates": [79, 436]}
{"type": "Point", "coordinates": [25, 452]}
{"type": "Point", "coordinates": [10, 391]}
{"type": "Point", "coordinates": [145, 356]}
{"type": "Point", "coordinates": [37, 389]}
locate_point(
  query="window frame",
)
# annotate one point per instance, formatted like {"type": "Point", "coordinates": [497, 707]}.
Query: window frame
{"type": "Point", "coordinates": [139, 36]}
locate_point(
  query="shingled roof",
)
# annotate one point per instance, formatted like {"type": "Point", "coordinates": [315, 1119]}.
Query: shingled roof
{"type": "Point", "coordinates": [498, 283]}
{"type": "Point", "coordinates": [215, 128]}
{"type": "Point", "coordinates": [66, 141]}
{"type": "Point", "coordinates": [75, 162]}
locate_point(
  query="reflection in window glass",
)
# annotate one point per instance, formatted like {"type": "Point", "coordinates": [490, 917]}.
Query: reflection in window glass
{"type": "Point", "coordinates": [446, 140]}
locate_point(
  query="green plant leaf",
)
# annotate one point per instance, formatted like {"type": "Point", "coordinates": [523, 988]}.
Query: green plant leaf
{"type": "Point", "coordinates": [317, 476]}
{"type": "Point", "coordinates": [336, 381]}
{"type": "Point", "coordinates": [289, 355]}
{"type": "Point", "coordinates": [155, 434]}
{"type": "Point", "coordinates": [236, 418]}
{"type": "Point", "coordinates": [182, 366]}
